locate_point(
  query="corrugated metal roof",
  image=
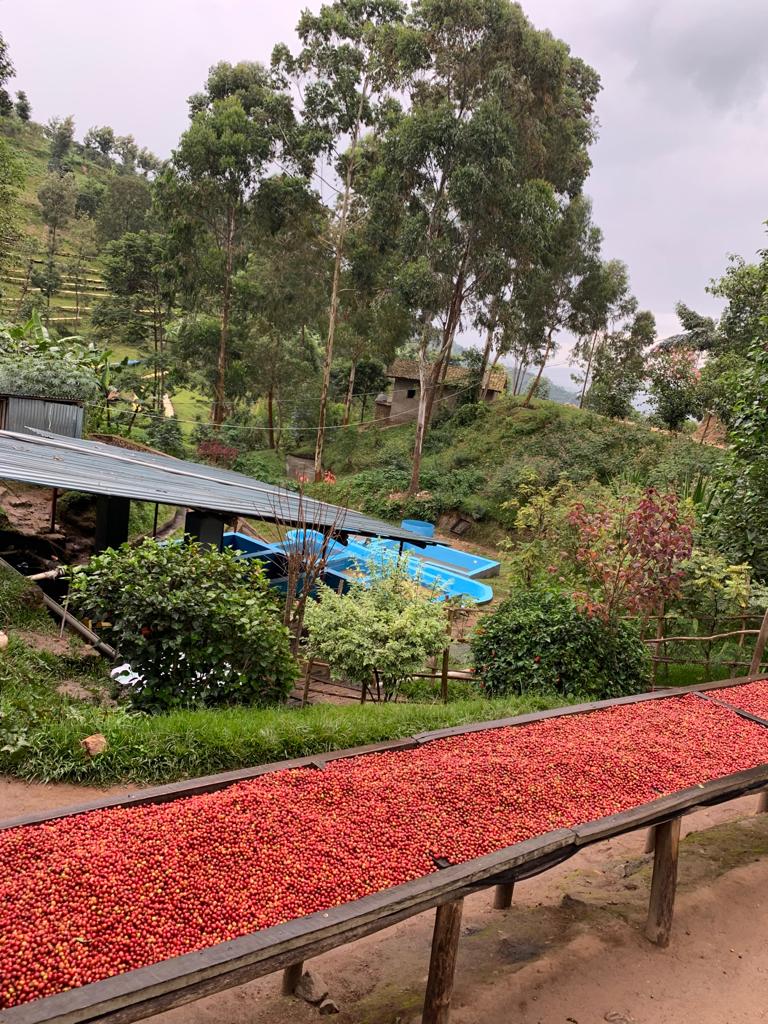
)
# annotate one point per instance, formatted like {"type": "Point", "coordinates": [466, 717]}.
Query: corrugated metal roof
{"type": "Point", "coordinates": [51, 460]}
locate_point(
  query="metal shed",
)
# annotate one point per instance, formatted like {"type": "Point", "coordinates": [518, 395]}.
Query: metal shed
{"type": "Point", "coordinates": [24, 414]}
{"type": "Point", "coordinates": [119, 475]}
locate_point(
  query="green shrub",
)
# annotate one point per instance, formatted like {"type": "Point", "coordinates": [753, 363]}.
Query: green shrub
{"type": "Point", "coordinates": [387, 629]}
{"type": "Point", "coordinates": [164, 433]}
{"type": "Point", "coordinates": [540, 641]}
{"type": "Point", "coordinates": [198, 627]}
{"type": "Point", "coordinates": [265, 465]}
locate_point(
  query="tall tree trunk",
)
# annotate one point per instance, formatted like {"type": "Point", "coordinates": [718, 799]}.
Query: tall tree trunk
{"type": "Point", "coordinates": [335, 287]}
{"type": "Point", "coordinates": [271, 415]}
{"type": "Point", "coordinates": [427, 380]}
{"type": "Point", "coordinates": [534, 386]}
{"type": "Point", "coordinates": [592, 349]}
{"type": "Point", "coordinates": [217, 414]}
{"type": "Point", "coordinates": [449, 333]}
{"type": "Point", "coordinates": [483, 389]}
{"type": "Point", "coordinates": [350, 393]}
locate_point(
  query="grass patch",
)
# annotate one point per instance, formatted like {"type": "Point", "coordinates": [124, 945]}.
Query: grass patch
{"type": "Point", "coordinates": [191, 408]}
{"type": "Point", "coordinates": [688, 675]}
{"type": "Point", "coordinates": [45, 729]}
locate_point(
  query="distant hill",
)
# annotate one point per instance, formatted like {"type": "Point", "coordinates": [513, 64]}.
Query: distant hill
{"type": "Point", "coordinates": [556, 393]}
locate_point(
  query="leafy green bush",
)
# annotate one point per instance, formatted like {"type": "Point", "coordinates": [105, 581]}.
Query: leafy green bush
{"type": "Point", "coordinates": [540, 641]}
{"type": "Point", "coordinates": [47, 377]}
{"type": "Point", "coordinates": [164, 433]}
{"type": "Point", "coordinates": [265, 465]}
{"type": "Point", "coordinates": [196, 626]}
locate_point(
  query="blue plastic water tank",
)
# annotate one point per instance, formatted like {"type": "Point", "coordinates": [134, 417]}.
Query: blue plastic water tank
{"type": "Point", "coordinates": [419, 526]}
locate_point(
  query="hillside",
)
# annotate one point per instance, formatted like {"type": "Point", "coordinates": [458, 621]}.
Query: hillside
{"type": "Point", "coordinates": [76, 259]}
{"type": "Point", "coordinates": [483, 459]}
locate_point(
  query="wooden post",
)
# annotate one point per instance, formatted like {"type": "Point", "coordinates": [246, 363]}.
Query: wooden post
{"type": "Point", "coordinates": [650, 840]}
{"type": "Point", "coordinates": [307, 682]}
{"type": "Point", "coordinates": [442, 964]}
{"type": "Point", "coordinates": [502, 896]}
{"type": "Point", "coordinates": [762, 803]}
{"type": "Point", "coordinates": [291, 978]}
{"type": "Point", "coordinates": [54, 500]}
{"type": "Point", "coordinates": [664, 882]}
{"type": "Point", "coordinates": [444, 676]}
{"type": "Point", "coordinates": [762, 639]}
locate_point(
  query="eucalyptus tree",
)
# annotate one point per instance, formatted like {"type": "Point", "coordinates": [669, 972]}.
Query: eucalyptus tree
{"type": "Point", "coordinates": [557, 285]}
{"type": "Point", "coordinates": [602, 299]}
{"type": "Point", "coordinates": [497, 124]}
{"type": "Point", "coordinates": [22, 106]}
{"type": "Point", "coordinates": [619, 365]}
{"type": "Point", "coordinates": [282, 291]}
{"type": "Point", "coordinates": [238, 126]}
{"type": "Point", "coordinates": [139, 276]}
{"type": "Point", "coordinates": [346, 74]}
{"type": "Point", "coordinates": [101, 140]}
{"type": "Point", "coordinates": [125, 206]}
{"type": "Point", "coordinates": [57, 197]}
{"type": "Point", "coordinates": [60, 131]}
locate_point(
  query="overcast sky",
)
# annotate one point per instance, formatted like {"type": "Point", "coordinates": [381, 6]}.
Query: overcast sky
{"type": "Point", "coordinates": [680, 170]}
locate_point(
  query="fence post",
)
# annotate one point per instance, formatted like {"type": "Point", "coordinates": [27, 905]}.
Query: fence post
{"type": "Point", "coordinates": [762, 639]}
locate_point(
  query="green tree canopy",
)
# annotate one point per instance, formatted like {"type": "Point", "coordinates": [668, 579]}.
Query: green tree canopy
{"type": "Point", "coordinates": [238, 127]}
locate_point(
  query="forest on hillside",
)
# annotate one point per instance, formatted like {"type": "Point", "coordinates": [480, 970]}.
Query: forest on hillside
{"type": "Point", "coordinates": [394, 179]}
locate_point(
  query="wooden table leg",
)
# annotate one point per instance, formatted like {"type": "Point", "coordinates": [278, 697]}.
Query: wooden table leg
{"type": "Point", "coordinates": [663, 883]}
{"type": "Point", "coordinates": [650, 840]}
{"type": "Point", "coordinates": [502, 896]}
{"type": "Point", "coordinates": [442, 964]}
{"type": "Point", "coordinates": [762, 803]}
{"type": "Point", "coordinates": [292, 977]}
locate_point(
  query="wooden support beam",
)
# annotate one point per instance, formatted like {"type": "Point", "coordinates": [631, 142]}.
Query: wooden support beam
{"type": "Point", "coordinates": [502, 896]}
{"type": "Point", "coordinates": [762, 803]}
{"type": "Point", "coordinates": [112, 514]}
{"type": "Point", "coordinates": [292, 977]}
{"type": "Point", "coordinates": [442, 964]}
{"type": "Point", "coordinates": [664, 882]}
{"type": "Point", "coordinates": [650, 840]}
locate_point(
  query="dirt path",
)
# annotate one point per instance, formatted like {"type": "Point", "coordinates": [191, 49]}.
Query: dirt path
{"type": "Point", "coordinates": [570, 951]}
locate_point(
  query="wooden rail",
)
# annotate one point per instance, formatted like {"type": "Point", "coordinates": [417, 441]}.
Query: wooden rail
{"type": "Point", "coordinates": [147, 991]}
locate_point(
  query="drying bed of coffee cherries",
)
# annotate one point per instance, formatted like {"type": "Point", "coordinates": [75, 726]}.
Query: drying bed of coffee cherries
{"type": "Point", "coordinates": [90, 896]}
{"type": "Point", "coordinates": [751, 697]}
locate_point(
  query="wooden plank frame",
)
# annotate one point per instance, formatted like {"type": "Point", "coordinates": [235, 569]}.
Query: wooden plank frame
{"type": "Point", "coordinates": [147, 991]}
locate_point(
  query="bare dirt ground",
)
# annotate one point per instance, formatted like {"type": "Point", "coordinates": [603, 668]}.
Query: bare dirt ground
{"type": "Point", "coordinates": [570, 951]}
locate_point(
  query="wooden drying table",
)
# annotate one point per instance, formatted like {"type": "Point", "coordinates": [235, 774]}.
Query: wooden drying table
{"type": "Point", "coordinates": [142, 993]}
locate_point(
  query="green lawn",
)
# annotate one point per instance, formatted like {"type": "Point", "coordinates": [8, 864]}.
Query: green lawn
{"type": "Point", "coordinates": [191, 408]}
